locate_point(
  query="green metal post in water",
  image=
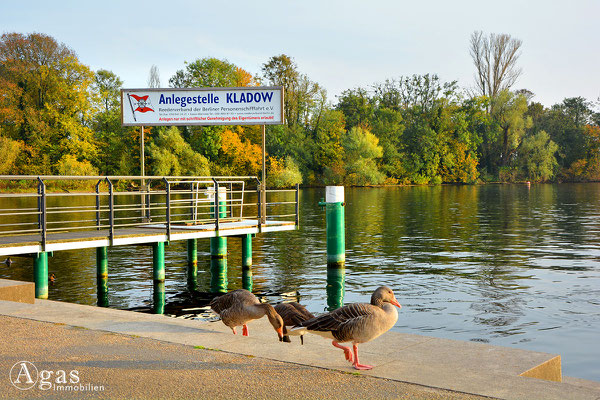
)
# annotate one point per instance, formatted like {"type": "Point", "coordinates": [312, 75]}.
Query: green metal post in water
{"type": "Point", "coordinates": [158, 261]}
{"type": "Point", "coordinates": [158, 274]}
{"type": "Point", "coordinates": [247, 262]}
{"type": "Point", "coordinates": [218, 251]}
{"type": "Point", "coordinates": [40, 274]}
{"type": "Point", "coordinates": [192, 257]}
{"type": "Point", "coordinates": [336, 245]}
{"type": "Point", "coordinates": [102, 275]}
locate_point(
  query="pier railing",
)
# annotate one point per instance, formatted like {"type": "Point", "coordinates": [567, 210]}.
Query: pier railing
{"type": "Point", "coordinates": [42, 205]}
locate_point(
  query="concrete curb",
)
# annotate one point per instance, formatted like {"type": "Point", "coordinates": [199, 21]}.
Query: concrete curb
{"type": "Point", "coordinates": [465, 367]}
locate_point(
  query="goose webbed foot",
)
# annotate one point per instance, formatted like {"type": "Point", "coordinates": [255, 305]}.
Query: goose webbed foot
{"type": "Point", "coordinates": [347, 352]}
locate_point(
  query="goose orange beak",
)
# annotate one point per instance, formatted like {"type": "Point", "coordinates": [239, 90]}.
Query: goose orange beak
{"type": "Point", "coordinates": [280, 333]}
{"type": "Point", "coordinates": [395, 302]}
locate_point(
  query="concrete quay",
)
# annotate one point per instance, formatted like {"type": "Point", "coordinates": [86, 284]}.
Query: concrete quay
{"type": "Point", "coordinates": [441, 368]}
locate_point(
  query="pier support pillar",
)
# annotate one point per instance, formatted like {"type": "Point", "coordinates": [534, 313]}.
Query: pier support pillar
{"type": "Point", "coordinates": [218, 264]}
{"type": "Point", "coordinates": [192, 260]}
{"type": "Point", "coordinates": [158, 275]}
{"type": "Point", "coordinates": [40, 274]}
{"type": "Point", "coordinates": [158, 261]}
{"type": "Point", "coordinates": [247, 262]}
{"type": "Point", "coordinates": [102, 275]}
{"type": "Point", "coordinates": [336, 245]}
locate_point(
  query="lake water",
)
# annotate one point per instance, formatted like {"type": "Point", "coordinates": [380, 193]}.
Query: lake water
{"type": "Point", "coordinates": [501, 264]}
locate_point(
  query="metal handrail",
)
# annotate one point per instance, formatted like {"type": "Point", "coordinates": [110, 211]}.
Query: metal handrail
{"type": "Point", "coordinates": [116, 204]}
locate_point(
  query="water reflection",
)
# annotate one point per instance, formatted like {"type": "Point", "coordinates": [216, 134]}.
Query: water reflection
{"type": "Point", "coordinates": [247, 278]}
{"type": "Point", "coordinates": [498, 263]}
{"type": "Point", "coordinates": [158, 297]}
{"type": "Point", "coordinates": [335, 288]}
{"type": "Point", "coordinates": [218, 275]}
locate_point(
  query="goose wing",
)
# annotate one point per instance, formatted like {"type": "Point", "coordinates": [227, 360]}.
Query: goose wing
{"type": "Point", "coordinates": [293, 313]}
{"type": "Point", "coordinates": [239, 297]}
{"type": "Point", "coordinates": [344, 322]}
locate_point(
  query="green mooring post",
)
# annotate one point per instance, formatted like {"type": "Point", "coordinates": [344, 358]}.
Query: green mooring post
{"type": "Point", "coordinates": [218, 250]}
{"type": "Point", "coordinates": [158, 275]}
{"type": "Point", "coordinates": [336, 245]}
{"type": "Point", "coordinates": [192, 259]}
{"type": "Point", "coordinates": [247, 262]}
{"type": "Point", "coordinates": [40, 274]}
{"type": "Point", "coordinates": [102, 275]}
{"type": "Point", "coordinates": [158, 261]}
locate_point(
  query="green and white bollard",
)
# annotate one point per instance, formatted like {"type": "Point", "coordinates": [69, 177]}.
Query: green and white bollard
{"type": "Point", "coordinates": [336, 245]}
{"type": "Point", "coordinates": [102, 275]}
{"type": "Point", "coordinates": [40, 275]}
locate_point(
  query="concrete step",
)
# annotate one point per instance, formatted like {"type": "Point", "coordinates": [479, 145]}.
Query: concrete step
{"type": "Point", "coordinates": [22, 292]}
{"type": "Point", "coordinates": [441, 363]}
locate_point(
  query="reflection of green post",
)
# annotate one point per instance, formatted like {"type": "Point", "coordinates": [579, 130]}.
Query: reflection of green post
{"type": "Point", "coordinates": [335, 288]}
{"type": "Point", "coordinates": [247, 262]}
{"type": "Point", "coordinates": [40, 275]}
{"type": "Point", "coordinates": [218, 275]}
{"type": "Point", "coordinates": [336, 245]}
{"type": "Point", "coordinates": [102, 275]}
{"type": "Point", "coordinates": [192, 258]}
{"type": "Point", "coordinates": [158, 297]}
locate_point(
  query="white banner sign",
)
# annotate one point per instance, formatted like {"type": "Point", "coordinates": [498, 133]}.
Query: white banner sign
{"type": "Point", "coordinates": [210, 106]}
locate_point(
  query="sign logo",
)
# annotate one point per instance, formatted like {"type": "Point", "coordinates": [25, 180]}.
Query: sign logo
{"type": "Point", "coordinates": [141, 104]}
{"type": "Point", "coordinates": [23, 375]}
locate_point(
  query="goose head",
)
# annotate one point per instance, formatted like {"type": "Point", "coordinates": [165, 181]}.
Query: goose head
{"type": "Point", "coordinates": [276, 321]}
{"type": "Point", "coordinates": [384, 294]}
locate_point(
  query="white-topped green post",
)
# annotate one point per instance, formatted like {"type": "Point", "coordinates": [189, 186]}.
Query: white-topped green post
{"type": "Point", "coordinates": [336, 234]}
{"type": "Point", "coordinates": [336, 244]}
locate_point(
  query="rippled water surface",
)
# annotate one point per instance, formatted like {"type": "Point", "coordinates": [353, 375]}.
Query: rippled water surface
{"type": "Point", "coordinates": [499, 264]}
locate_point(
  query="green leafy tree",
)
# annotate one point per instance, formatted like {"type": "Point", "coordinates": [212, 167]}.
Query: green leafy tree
{"type": "Point", "coordinates": [357, 107]}
{"type": "Point", "coordinates": [117, 142]}
{"type": "Point", "coordinates": [328, 150]}
{"type": "Point", "coordinates": [508, 114]}
{"type": "Point", "coordinates": [44, 101]}
{"type": "Point", "coordinates": [283, 173]}
{"type": "Point", "coordinates": [211, 72]}
{"type": "Point", "coordinates": [536, 157]}
{"type": "Point", "coordinates": [304, 99]}
{"type": "Point", "coordinates": [172, 155]}
{"type": "Point", "coordinates": [361, 149]}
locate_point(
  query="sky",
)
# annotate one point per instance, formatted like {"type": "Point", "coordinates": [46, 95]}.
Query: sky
{"type": "Point", "coordinates": [339, 44]}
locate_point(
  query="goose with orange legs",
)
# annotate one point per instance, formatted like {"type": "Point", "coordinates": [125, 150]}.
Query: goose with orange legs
{"type": "Point", "coordinates": [356, 323]}
{"type": "Point", "coordinates": [239, 307]}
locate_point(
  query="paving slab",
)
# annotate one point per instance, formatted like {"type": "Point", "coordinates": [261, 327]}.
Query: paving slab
{"type": "Point", "coordinates": [466, 367]}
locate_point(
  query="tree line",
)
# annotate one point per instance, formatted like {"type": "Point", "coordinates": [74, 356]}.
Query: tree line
{"type": "Point", "coordinates": [57, 116]}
